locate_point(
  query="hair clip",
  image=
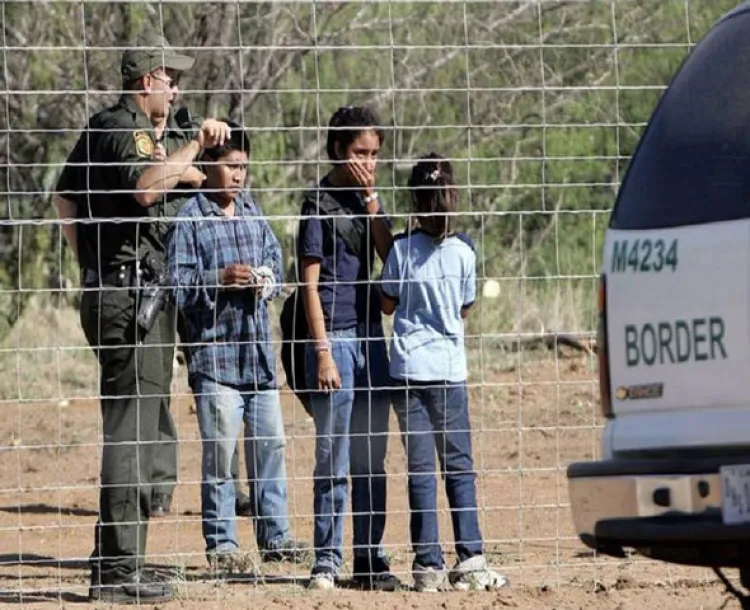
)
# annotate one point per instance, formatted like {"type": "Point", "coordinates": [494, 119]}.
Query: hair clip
{"type": "Point", "coordinates": [435, 175]}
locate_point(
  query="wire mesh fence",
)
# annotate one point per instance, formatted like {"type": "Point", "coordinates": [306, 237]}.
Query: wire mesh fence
{"type": "Point", "coordinates": [537, 105]}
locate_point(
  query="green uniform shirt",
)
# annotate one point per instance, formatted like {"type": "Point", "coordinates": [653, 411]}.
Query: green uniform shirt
{"type": "Point", "coordinates": [101, 175]}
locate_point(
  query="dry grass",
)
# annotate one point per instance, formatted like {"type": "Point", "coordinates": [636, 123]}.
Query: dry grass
{"type": "Point", "coordinates": [46, 357]}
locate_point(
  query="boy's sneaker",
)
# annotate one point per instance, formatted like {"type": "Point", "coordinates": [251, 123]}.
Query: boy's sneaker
{"type": "Point", "coordinates": [292, 550]}
{"type": "Point", "coordinates": [231, 562]}
{"type": "Point", "coordinates": [474, 574]}
{"type": "Point", "coordinates": [429, 580]}
{"type": "Point", "coordinates": [322, 581]}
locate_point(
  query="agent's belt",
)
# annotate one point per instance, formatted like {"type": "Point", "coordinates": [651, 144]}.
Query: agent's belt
{"type": "Point", "coordinates": [121, 276]}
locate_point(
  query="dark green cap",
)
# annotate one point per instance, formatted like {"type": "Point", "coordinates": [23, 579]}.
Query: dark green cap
{"type": "Point", "coordinates": [150, 53]}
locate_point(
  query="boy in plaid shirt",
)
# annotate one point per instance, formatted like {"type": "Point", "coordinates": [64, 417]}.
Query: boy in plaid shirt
{"type": "Point", "coordinates": [225, 264]}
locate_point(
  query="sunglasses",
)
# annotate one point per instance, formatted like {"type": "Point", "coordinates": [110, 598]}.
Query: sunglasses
{"type": "Point", "coordinates": [171, 82]}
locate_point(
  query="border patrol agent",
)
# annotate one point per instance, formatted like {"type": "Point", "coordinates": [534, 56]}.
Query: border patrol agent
{"type": "Point", "coordinates": [132, 163]}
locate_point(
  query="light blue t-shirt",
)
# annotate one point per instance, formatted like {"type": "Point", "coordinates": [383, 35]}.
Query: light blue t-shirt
{"type": "Point", "coordinates": [432, 283]}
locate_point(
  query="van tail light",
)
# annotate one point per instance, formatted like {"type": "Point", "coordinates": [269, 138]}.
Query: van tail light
{"type": "Point", "coordinates": [605, 389]}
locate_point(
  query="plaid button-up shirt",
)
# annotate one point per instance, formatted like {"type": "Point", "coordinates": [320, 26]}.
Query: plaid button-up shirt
{"type": "Point", "coordinates": [227, 330]}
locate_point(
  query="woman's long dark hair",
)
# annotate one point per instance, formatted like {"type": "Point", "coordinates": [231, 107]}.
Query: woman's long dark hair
{"type": "Point", "coordinates": [345, 126]}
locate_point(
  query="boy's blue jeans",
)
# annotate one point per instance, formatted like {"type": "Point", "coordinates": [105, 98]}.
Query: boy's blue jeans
{"type": "Point", "coordinates": [221, 411]}
{"type": "Point", "coordinates": [435, 416]}
{"type": "Point", "coordinates": [351, 427]}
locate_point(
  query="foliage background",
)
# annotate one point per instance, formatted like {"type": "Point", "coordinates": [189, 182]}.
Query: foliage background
{"type": "Point", "coordinates": [539, 104]}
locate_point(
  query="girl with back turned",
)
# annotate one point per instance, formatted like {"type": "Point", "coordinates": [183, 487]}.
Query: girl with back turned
{"type": "Point", "coordinates": [429, 282]}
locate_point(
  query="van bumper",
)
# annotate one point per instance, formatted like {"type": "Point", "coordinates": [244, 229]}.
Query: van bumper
{"type": "Point", "coordinates": [665, 509]}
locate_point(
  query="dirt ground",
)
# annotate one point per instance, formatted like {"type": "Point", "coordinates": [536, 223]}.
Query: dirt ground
{"type": "Point", "coordinates": [529, 422]}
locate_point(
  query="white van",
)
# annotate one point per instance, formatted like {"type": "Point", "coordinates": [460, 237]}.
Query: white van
{"type": "Point", "coordinates": [674, 333]}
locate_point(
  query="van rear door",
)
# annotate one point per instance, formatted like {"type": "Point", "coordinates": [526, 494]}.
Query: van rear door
{"type": "Point", "coordinates": [678, 328]}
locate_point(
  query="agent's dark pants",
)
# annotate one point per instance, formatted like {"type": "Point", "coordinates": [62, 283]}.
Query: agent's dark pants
{"type": "Point", "coordinates": [140, 447]}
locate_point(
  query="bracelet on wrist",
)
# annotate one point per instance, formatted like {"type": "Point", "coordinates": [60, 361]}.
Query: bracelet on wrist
{"type": "Point", "coordinates": [371, 198]}
{"type": "Point", "coordinates": [322, 346]}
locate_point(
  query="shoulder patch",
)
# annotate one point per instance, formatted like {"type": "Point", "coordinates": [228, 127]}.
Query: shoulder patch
{"type": "Point", "coordinates": [144, 145]}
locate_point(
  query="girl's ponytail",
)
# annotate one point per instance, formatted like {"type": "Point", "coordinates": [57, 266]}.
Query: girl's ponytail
{"type": "Point", "coordinates": [434, 195]}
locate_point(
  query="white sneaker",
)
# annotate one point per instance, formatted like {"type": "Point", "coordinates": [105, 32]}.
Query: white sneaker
{"type": "Point", "coordinates": [322, 581]}
{"type": "Point", "coordinates": [429, 580]}
{"type": "Point", "coordinates": [474, 574]}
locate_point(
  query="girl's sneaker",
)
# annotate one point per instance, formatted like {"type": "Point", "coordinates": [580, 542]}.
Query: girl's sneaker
{"type": "Point", "coordinates": [429, 580]}
{"type": "Point", "coordinates": [474, 574]}
{"type": "Point", "coordinates": [322, 581]}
